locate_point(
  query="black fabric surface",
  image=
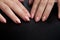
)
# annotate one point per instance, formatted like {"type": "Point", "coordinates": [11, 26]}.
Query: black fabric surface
{"type": "Point", "coordinates": [49, 30]}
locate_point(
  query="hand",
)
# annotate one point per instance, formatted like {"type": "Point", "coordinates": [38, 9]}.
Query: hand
{"type": "Point", "coordinates": [42, 9]}
{"type": "Point", "coordinates": [8, 5]}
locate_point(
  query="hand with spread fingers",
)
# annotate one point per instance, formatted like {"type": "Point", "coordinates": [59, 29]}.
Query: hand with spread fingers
{"type": "Point", "coordinates": [41, 9]}
{"type": "Point", "coordinates": [8, 5]}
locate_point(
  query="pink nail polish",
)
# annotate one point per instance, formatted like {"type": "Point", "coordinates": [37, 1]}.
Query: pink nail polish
{"type": "Point", "coordinates": [4, 21]}
{"type": "Point", "coordinates": [59, 15]}
{"type": "Point", "coordinates": [37, 19]}
{"type": "Point", "coordinates": [32, 16]}
{"type": "Point", "coordinates": [18, 21]}
{"type": "Point", "coordinates": [44, 18]}
{"type": "Point", "coordinates": [27, 18]}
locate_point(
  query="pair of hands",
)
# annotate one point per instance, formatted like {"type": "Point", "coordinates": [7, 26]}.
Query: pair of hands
{"type": "Point", "coordinates": [40, 10]}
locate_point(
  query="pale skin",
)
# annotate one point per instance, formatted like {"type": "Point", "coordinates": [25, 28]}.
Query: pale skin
{"type": "Point", "coordinates": [41, 9]}
{"type": "Point", "coordinates": [8, 5]}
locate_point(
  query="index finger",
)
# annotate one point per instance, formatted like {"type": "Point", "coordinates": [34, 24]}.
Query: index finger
{"type": "Point", "coordinates": [34, 7]}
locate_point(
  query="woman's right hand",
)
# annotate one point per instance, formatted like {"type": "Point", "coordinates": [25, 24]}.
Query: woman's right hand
{"type": "Point", "coordinates": [8, 5]}
{"type": "Point", "coordinates": [41, 9]}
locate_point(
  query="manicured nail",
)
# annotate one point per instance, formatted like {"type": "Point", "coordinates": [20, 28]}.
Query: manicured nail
{"type": "Point", "coordinates": [37, 19]}
{"type": "Point", "coordinates": [44, 18]}
{"type": "Point", "coordinates": [59, 15]}
{"type": "Point", "coordinates": [18, 21]}
{"type": "Point", "coordinates": [3, 21]}
{"type": "Point", "coordinates": [27, 18]}
{"type": "Point", "coordinates": [32, 15]}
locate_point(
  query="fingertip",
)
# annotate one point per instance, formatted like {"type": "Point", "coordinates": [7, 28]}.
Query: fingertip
{"type": "Point", "coordinates": [2, 19]}
{"type": "Point", "coordinates": [59, 15]}
{"type": "Point", "coordinates": [37, 19]}
{"type": "Point", "coordinates": [27, 18]}
{"type": "Point", "coordinates": [17, 21]}
{"type": "Point", "coordinates": [32, 15]}
{"type": "Point", "coordinates": [5, 21]}
{"type": "Point", "coordinates": [43, 18]}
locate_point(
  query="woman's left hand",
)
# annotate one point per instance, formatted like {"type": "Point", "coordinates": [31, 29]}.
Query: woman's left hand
{"type": "Point", "coordinates": [12, 7]}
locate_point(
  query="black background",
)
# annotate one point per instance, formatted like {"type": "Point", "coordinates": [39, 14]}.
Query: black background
{"type": "Point", "coordinates": [49, 30]}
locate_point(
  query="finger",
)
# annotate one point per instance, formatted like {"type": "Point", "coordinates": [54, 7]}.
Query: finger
{"type": "Point", "coordinates": [22, 7]}
{"type": "Point", "coordinates": [9, 13]}
{"type": "Point", "coordinates": [58, 9]}
{"type": "Point", "coordinates": [30, 2]}
{"type": "Point", "coordinates": [17, 10]}
{"type": "Point", "coordinates": [21, 0]}
{"type": "Point", "coordinates": [40, 10]}
{"type": "Point", "coordinates": [2, 19]}
{"type": "Point", "coordinates": [55, 1]}
{"type": "Point", "coordinates": [34, 7]}
{"type": "Point", "coordinates": [48, 9]}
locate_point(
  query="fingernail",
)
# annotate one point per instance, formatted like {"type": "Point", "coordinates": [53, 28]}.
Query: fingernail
{"type": "Point", "coordinates": [27, 18]}
{"type": "Point", "coordinates": [37, 19]}
{"type": "Point", "coordinates": [44, 18]}
{"type": "Point", "coordinates": [18, 21]}
{"type": "Point", "coordinates": [4, 21]}
{"type": "Point", "coordinates": [59, 15]}
{"type": "Point", "coordinates": [32, 16]}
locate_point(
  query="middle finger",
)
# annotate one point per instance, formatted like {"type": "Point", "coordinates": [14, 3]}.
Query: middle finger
{"type": "Point", "coordinates": [40, 10]}
{"type": "Point", "coordinates": [34, 7]}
